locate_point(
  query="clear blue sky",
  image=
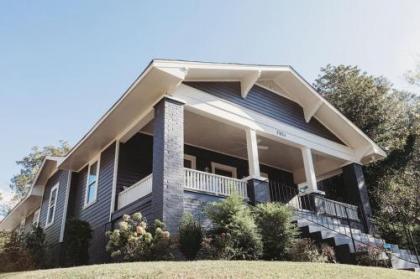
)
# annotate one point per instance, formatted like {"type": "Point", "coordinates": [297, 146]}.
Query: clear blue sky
{"type": "Point", "coordinates": [62, 64]}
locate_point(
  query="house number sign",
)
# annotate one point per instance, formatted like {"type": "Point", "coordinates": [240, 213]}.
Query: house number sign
{"type": "Point", "coordinates": [280, 133]}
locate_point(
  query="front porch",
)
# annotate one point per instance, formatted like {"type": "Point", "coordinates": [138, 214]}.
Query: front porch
{"type": "Point", "coordinates": [218, 158]}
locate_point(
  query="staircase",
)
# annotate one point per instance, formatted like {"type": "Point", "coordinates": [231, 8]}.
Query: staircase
{"type": "Point", "coordinates": [346, 240]}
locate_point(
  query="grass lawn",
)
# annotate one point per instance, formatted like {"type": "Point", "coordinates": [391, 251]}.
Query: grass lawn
{"type": "Point", "coordinates": [217, 269]}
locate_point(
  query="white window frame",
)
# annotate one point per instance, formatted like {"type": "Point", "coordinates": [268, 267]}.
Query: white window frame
{"type": "Point", "coordinates": [97, 160]}
{"type": "Point", "coordinates": [192, 159]}
{"type": "Point", "coordinates": [215, 166]}
{"type": "Point", "coordinates": [35, 220]}
{"type": "Point", "coordinates": [47, 224]}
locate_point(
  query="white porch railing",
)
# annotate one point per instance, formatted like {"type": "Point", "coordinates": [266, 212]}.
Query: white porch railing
{"type": "Point", "coordinates": [136, 191]}
{"type": "Point", "coordinates": [214, 184]}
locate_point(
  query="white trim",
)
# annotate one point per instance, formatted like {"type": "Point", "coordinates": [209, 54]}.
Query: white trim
{"type": "Point", "coordinates": [35, 219]}
{"type": "Point", "coordinates": [56, 188]}
{"type": "Point", "coordinates": [114, 178]}
{"type": "Point", "coordinates": [192, 159]}
{"type": "Point", "coordinates": [252, 151]}
{"type": "Point", "coordinates": [231, 169]}
{"type": "Point", "coordinates": [98, 165]}
{"type": "Point", "coordinates": [22, 225]}
{"type": "Point", "coordinates": [66, 202]}
{"type": "Point", "coordinates": [222, 110]}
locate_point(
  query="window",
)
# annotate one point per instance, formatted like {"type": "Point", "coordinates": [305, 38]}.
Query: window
{"type": "Point", "coordinates": [189, 161]}
{"type": "Point", "coordinates": [92, 183]}
{"type": "Point", "coordinates": [35, 220]}
{"type": "Point", "coordinates": [224, 170]}
{"type": "Point", "coordinates": [52, 202]}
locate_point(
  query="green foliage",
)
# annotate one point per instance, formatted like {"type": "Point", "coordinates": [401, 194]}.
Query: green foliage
{"type": "Point", "coordinates": [305, 250]}
{"type": "Point", "coordinates": [274, 221]}
{"type": "Point", "coordinates": [34, 242]}
{"type": "Point", "coordinates": [373, 256]}
{"type": "Point", "coordinates": [134, 240]}
{"type": "Point", "coordinates": [76, 242]}
{"type": "Point", "coordinates": [190, 236]}
{"type": "Point", "coordinates": [234, 234]}
{"type": "Point", "coordinates": [13, 254]}
{"type": "Point", "coordinates": [30, 164]}
{"type": "Point", "coordinates": [392, 119]}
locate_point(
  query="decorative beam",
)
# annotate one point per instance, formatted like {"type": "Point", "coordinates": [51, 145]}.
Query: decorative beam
{"type": "Point", "coordinates": [248, 82]}
{"type": "Point", "coordinates": [310, 112]}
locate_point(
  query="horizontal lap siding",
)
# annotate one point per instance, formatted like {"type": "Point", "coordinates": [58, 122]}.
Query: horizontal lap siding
{"type": "Point", "coordinates": [267, 103]}
{"type": "Point", "coordinates": [52, 233]}
{"type": "Point", "coordinates": [98, 213]}
{"type": "Point", "coordinates": [135, 160]}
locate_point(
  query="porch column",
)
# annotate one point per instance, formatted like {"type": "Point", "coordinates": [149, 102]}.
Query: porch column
{"type": "Point", "coordinates": [258, 187]}
{"type": "Point", "coordinates": [308, 164]}
{"type": "Point", "coordinates": [355, 190]}
{"type": "Point", "coordinates": [168, 162]}
{"type": "Point", "coordinates": [252, 148]}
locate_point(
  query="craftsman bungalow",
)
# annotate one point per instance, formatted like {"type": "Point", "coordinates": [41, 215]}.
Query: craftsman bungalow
{"type": "Point", "coordinates": [186, 133]}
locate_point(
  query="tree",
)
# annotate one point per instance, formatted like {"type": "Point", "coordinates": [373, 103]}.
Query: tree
{"type": "Point", "coordinates": [30, 165]}
{"type": "Point", "coordinates": [4, 206]}
{"type": "Point", "coordinates": [413, 76]}
{"type": "Point", "coordinates": [391, 118]}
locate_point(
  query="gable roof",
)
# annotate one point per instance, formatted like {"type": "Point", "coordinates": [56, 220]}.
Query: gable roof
{"type": "Point", "coordinates": [163, 76]}
{"type": "Point", "coordinates": [32, 200]}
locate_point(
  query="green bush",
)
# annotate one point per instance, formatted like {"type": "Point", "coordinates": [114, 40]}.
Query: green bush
{"type": "Point", "coordinates": [76, 242]}
{"type": "Point", "coordinates": [234, 234]}
{"type": "Point", "coordinates": [305, 250]}
{"type": "Point", "coordinates": [13, 254]}
{"type": "Point", "coordinates": [274, 221]}
{"type": "Point", "coordinates": [34, 242]}
{"type": "Point", "coordinates": [135, 241]}
{"type": "Point", "coordinates": [190, 236]}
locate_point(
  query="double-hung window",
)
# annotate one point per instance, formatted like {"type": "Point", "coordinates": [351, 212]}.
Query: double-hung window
{"type": "Point", "coordinates": [52, 203]}
{"type": "Point", "coordinates": [92, 183]}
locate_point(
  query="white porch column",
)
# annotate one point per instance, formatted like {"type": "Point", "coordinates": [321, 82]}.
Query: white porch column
{"type": "Point", "coordinates": [252, 148]}
{"type": "Point", "coordinates": [308, 164]}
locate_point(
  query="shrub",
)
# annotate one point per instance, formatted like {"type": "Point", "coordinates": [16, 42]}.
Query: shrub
{"type": "Point", "coordinates": [13, 254]}
{"type": "Point", "coordinates": [76, 242]}
{"type": "Point", "coordinates": [372, 256]}
{"type": "Point", "coordinates": [190, 236]}
{"type": "Point", "coordinates": [135, 241]}
{"type": "Point", "coordinates": [274, 221]}
{"type": "Point", "coordinates": [34, 242]}
{"type": "Point", "coordinates": [234, 234]}
{"type": "Point", "coordinates": [305, 250]}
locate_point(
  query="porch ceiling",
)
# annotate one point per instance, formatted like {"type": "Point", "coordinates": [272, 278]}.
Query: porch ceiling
{"type": "Point", "coordinates": [207, 133]}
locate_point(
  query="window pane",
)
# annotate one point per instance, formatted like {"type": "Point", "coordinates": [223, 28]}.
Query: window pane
{"type": "Point", "coordinates": [92, 173]}
{"type": "Point", "coordinates": [187, 164]}
{"type": "Point", "coordinates": [91, 193]}
{"type": "Point", "coordinates": [53, 197]}
{"type": "Point", "coordinates": [50, 214]}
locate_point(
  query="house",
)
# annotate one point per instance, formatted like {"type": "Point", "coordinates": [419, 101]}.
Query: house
{"type": "Point", "coordinates": [186, 133]}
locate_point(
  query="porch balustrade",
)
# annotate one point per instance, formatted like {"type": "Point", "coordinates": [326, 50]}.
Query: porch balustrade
{"type": "Point", "coordinates": [138, 190]}
{"type": "Point", "coordinates": [214, 184]}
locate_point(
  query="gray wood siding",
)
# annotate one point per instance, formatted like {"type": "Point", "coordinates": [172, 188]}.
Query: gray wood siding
{"type": "Point", "coordinates": [267, 103]}
{"type": "Point", "coordinates": [135, 160]}
{"type": "Point", "coordinates": [98, 213]}
{"type": "Point", "coordinates": [52, 232]}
